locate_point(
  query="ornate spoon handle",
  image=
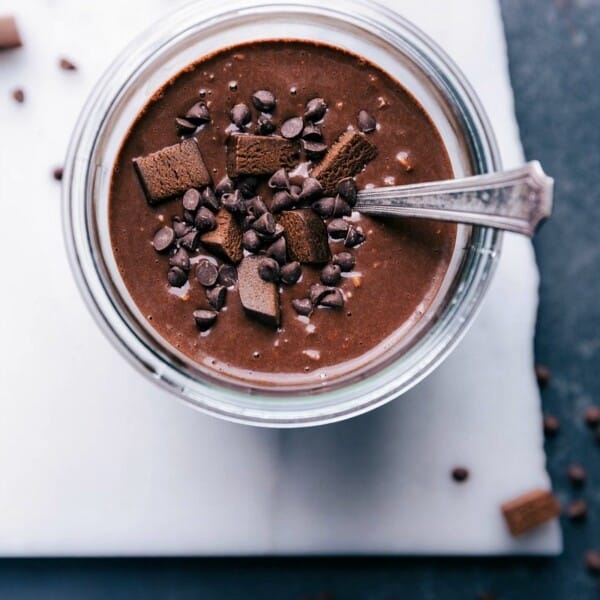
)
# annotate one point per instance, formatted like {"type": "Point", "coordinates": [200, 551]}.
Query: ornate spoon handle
{"type": "Point", "coordinates": [516, 200]}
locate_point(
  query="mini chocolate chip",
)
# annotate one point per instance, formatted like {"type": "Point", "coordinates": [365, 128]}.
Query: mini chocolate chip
{"type": "Point", "coordinates": [346, 188]}
{"type": "Point", "coordinates": [225, 186]}
{"type": "Point", "coordinates": [67, 65]}
{"type": "Point", "coordinates": [180, 227]}
{"type": "Point", "coordinates": [206, 273]}
{"type": "Point", "coordinates": [592, 561]}
{"type": "Point", "coordinates": [176, 277]}
{"type": "Point", "coordinates": [191, 199]}
{"type": "Point", "coordinates": [290, 272]}
{"type": "Point", "coordinates": [592, 416]}
{"type": "Point", "coordinates": [198, 114]}
{"type": "Point", "coordinates": [227, 275]}
{"type": "Point", "coordinates": [314, 150]}
{"type": "Point", "coordinates": [316, 292]}
{"type": "Point", "coordinates": [205, 220]}
{"type": "Point", "coordinates": [209, 199]}
{"type": "Point", "coordinates": [354, 237]}
{"type": "Point", "coordinates": [311, 189]}
{"type": "Point", "coordinates": [303, 306]}
{"type": "Point", "coordinates": [232, 202]}
{"type": "Point", "coordinates": [345, 260]}
{"type": "Point", "coordinates": [163, 238]}
{"type": "Point", "coordinates": [315, 109]}
{"type": "Point", "coordinates": [265, 224]}
{"type": "Point", "coordinates": [576, 474]}
{"type": "Point", "coordinates": [577, 510]}
{"type": "Point", "coordinates": [247, 186]}
{"type": "Point", "coordinates": [251, 241]}
{"type": "Point", "coordinates": [331, 274]}
{"type": "Point", "coordinates": [268, 269]}
{"type": "Point", "coordinates": [460, 474]}
{"type": "Point", "coordinates": [240, 115]}
{"type": "Point", "coordinates": [366, 122]}
{"type": "Point", "coordinates": [332, 299]}
{"type": "Point", "coordinates": [256, 207]}
{"type": "Point", "coordinates": [279, 180]}
{"type": "Point", "coordinates": [281, 201]}
{"type": "Point", "coordinates": [18, 95]}
{"type": "Point", "coordinates": [205, 319]}
{"type": "Point", "coordinates": [190, 240]}
{"type": "Point", "coordinates": [277, 250]}
{"type": "Point", "coordinates": [543, 375]}
{"type": "Point", "coordinates": [312, 133]}
{"type": "Point", "coordinates": [57, 173]}
{"type": "Point", "coordinates": [264, 125]}
{"type": "Point", "coordinates": [264, 100]}
{"type": "Point", "coordinates": [184, 127]}
{"type": "Point", "coordinates": [551, 425]}
{"type": "Point", "coordinates": [338, 228]}
{"type": "Point", "coordinates": [292, 128]}
{"type": "Point", "coordinates": [216, 296]}
{"type": "Point", "coordinates": [181, 259]}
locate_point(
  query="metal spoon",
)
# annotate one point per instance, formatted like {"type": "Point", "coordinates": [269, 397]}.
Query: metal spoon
{"type": "Point", "coordinates": [516, 200]}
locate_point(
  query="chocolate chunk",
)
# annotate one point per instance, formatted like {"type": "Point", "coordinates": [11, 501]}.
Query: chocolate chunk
{"type": "Point", "coordinates": [551, 425]}
{"type": "Point", "coordinates": [278, 250]}
{"type": "Point", "coordinates": [366, 122]}
{"type": "Point", "coordinates": [331, 274]}
{"type": "Point", "coordinates": [345, 158]}
{"type": "Point", "coordinates": [279, 180]}
{"type": "Point", "coordinates": [225, 186]}
{"type": "Point", "coordinates": [290, 272]}
{"type": "Point", "coordinates": [227, 275]}
{"type": "Point", "coordinates": [184, 127]}
{"type": "Point", "coordinates": [259, 298]}
{"type": "Point", "coordinates": [198, 114]}
{"type": "Point", "coordinates": [252, 241]}
{"type": "Point", "coordinates": [18, 95]}
{"type": "Point", "coordinates": [67, 65]}
{"type": "Point", "coordinates": [176, 277]}
{"type": "Point", "coordinates": [354, 237]}
{"type": "Point", "coordinates": [592, 561]}
{"type": "Point", "coordinates": [226, 238]}
{"type": "Point", "coordinates": [312, 133]}
{"type": "Point", "coordinates": [346, 189]}
{"type": "Point", "coordinates": [592, 416]}
{"type": "Point", "coordinates": [264, 100]}
{"type": "Point", "coordinates": [331, 207]}
{"type": "Point", "coordinates": [332, 299]}
{"type": "Point", "coordinates": [180, 227]}
{"type": "Point", "coordinates": [292, 128]}
{"type": "Point", "coordinates": [314, 150]}
{"type": "Point", "coordinates": [9, 33]}
{"type": "Point", "coordinates": [315, 109]}
{"type": "Point", "coordinates": [543, 375]}
{"type": "Point", "coordinates": [264, 125]}
{"type": "Point", "coordinates": [268, 269]}
{"type": "Point", "coordinates": [264, 225]}
{"type": "Point", "coordinates": [206, 273]}
{"type": "Point", "coordinates": [57, 173]}
{"type": "Point", "coordinates": [460, 474]}
{"type": "Point", "coordinates": [577, 510]}
{"type": "Point", "coordinates": [205, 220]}
{"type": "Point", "coordinates": [191, 199]}
{"type": "Point", "coordinates": [303, 306]}
{"type": "Point", "coordinates": [345, 260]}
{"type": "Point", "coordinates": [530, 510]}
{"type": "Point", "coordinates": [181, 259]}
{"type": "Point", "coordinates": [306, 236]}
{"type": "Point", "coordinates": [311, 189]}
{"type": "Point", "coordinates": [338, 229]}
{"type": "Point", "coordinates": [281, 201]}
{"type": "Point", "coordinates": [247, 186]}
{"type": "Point", "coordinates": [163, 238]}
{"type": "Point", "coordinates": [255, 207]}
{"type": "Point", "coordinates": [216, 296]}
{"type": "Point", "coordinates": [317, 291]}
{"type": "Point", "coordinates": [258, 155]}
{"type": "Point", "coordinates": [240, 115]}
{"type": "Point", "coordinates": [576, 474]}
{"type": "Point", "coordinates": [171, 171]}
{"type": "Point", "coordinates": [209, 199]}
{"type": "Point", "coordinates": [205, 319]}
{"type": "Point", "coordinates": [190, 240]}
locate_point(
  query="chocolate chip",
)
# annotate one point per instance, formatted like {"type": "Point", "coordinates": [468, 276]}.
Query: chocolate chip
{"type": "Point", "coordinates": [67, 65]}
{"type": "Point", "coordinates": [295, 191]}
{"type": "Point", "coordinates": [163, 238]}
{"type": "Point", "coordinates": [460, 474]}
{"type": "Point", "coordinates": [332, 299]}
{"type": "Point", "coordinates": [264, 100]}
{"type": "Point", "coordinates": [205, 220]}
{"type": "Point", "coordinates": [338, 229]}
{"type": "Point", "coordinates": [209, 199]}
{"type": "Point", "coordinates": [303, 306]}
{"type": "Point", "coordinates": [279, 180]}
{"type": "Point", "coordinates": [176, 277]}
{"type": "Point", "coordinates": [366, 122]}
{"type": "Point", "coordinates": [345, 260]}
{"type": "Point", "coordinates": [292, 128]}
{"type": "Point", "coordinates": [311, 189]}
{"type": "Point", "coordinates": [331, 274]}
{"type": "Point", "coordinates": [316, 292]}
{"type": "Point", "coordinates": [216, 296]}
{"type": "Point", "coordinates": [255, 207]}
{"type": "Point", "coordinates": [205, 319]}
{"type": "Point", "coordinates": [277, 250]}
{"type": "Point", "coordinates": [18, 95]}
{"type": "Point", "coordinates": [346, 188]}
{"type": "Point", "coordinates": [227, 275]}
{"type": "Point", "coordinates": [184, 127]}
{"type": "Point", "coordinates": [57, 173]}
{"type": "Point", "coordinates": [206, 273]}
{"type": "Point", "coordinates": [198, 114]}
{"type": "Point", "coordinates": [191, 199]}
{"type": "Point", "coordinates": [181, 259]}
{"type": "Point", "coordinates": [576, 474]}
{"type": "Point", "coordinates": [268, 269]}
{"type": "Point", "coordinates": [290, 272]}
{"type": "Point", "coordinates": [264, 125]}
{"type": "Point", "coordinates": [551, 425]}
{"type": "Point", "coordinates": [282, 200]}
{"type": "Point", "coordinates": [331, 207]}
{"type": "Point", "coordinates": [251, 241]}
{"type": "Point", "coordinates": [577, 510]}
{"type": "Point", "coordinates": [354, 237]}
{"type": "Point", "coordinates": [232, 202]}
{"type": "Point", "coordinates": [315, 109]}
{"type": "Point", "coordinates": [592, 561]}
{"type": "Point", "coordinates": [190, 240]}
{"type": "Point", "coordinates": [247, 186]}
{"type": "Point", "coordinates": [180, 227]}
{"type": "Point", "coordinates": [314, 150]}
{"type": "Point", "coordinates": [9, 33]}
{"type": "Point", "coordinates": [592, 416]}
{"type": "Point", "coordinates": [189, 216]}
{"type": "Point", "coordinates": [225, 186]}
{"type": "Point", "coordinates": [312, 133]}
{"type": "Point", "coordinates": [543, 375]}
{"type": "Point", "coordinates": [240, 115]}
{"type": "Point", "coordinates": [265, 224]}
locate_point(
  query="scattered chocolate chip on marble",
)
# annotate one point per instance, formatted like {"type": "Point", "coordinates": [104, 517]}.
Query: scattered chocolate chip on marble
{"type": "Point", "coordinates": [57, 173]}
{"type": "Point", "coordinates": [366, 122]}
{"type": "Point", "coordinates": [18, 95]}
{"type": "Point", "coordinates": [460, 474]}
{"type": "Point", "coordinates": [206, 273]}
{"type": "Point", "coordinates": [315, 109]}
{"type": "Point", "coordinates": [176, 277]}
{"type": "Point", "coordinates": [303, 306]}
{"type": "Point", "coordinates": [216, 296]}
{"type": "Point", "coordinates": [240, 115]}
{"type": "Point", "coordinates": [67, 65]}
{"type": "Point", "coordinates": [163, 239]}
{"type": "Point", "coordinates": [543, 375]}
{"type": "Point", "coordinates": [551, 425]}
{"type": "Point", "coordinates": [577, 475]}
{"type": "Point", "coordinates": [577, 510]}
{"type": "Point", "coordinates": [264, 101]}
{"type": "Point", "coordinates": [292, 128]}
{"type": "Point", "coordinates": [345, 260]}
{"type": "Point", "coordinates": [592, 416]}
{"type": "Point", "coordinates": [592, 561]}
{"type": "Point", "coordinates": [204, 318]}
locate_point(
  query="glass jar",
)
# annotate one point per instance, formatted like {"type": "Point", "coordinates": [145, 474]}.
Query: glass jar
{"type": "Point", "coordinates": [360, 26]}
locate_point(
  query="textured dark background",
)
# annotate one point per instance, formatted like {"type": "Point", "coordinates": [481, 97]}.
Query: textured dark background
{"type": "Point", "coordinates": [554, 51]}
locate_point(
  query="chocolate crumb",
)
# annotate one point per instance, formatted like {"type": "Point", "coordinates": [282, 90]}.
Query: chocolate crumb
{"type": "Point", "coordinates": [204, 319]}
{"type": "Point", "coordinates": [460, 474]}
{"type": "Point", "coordinates": [18, 95]}
{"type": "Point", "coordinates": [551, 425]}
{"type": "Point", "coordinates": [543, 375]}
{"type": "Point", "coordinates": [592, 561]}
{"type": "Point", "coordinates": [67, 65]}
{"type": "Point", "coordinates": [577, 475]}
{"type": "Point", "coordinates": [57, 173]}
{"type": "Point", "coordinates": [592, 416]}
{"type": "Point", "coordinates": [577, 510]}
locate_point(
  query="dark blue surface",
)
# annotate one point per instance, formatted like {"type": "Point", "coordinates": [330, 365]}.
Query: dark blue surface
{"type": "Point", "coordinates": [554, 51]}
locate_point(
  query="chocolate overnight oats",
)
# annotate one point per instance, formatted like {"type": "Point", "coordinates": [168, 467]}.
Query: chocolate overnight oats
{"type": "Point", "coordinates": [232, 221]}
